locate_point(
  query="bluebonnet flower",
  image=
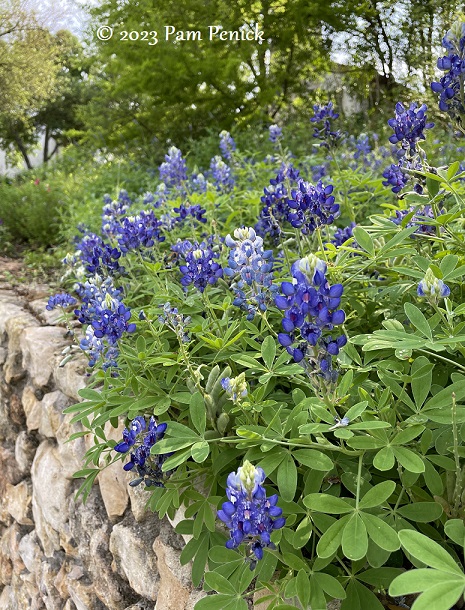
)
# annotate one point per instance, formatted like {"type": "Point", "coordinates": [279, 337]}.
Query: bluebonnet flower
{"type": "Point", "coordinates": [311, 309]}
{"type": "Point", "coordinates": [323, 115]}
{"type": "Point", "coordinates": [113, 211]}
{"type": "Point", "coordinates": [235, 387]}
{"type": "Point", "coordinates": [147, 198]}
{"type": "Point", "coordinates": [408, 125]}
{"type": "Point", "coordinates": [342, 235]}
{"type": "Point", "coordinates": [175, 321]}
{"type": "Point", "coordinates": [432, 287]}
{"type": "Point", "coordinates": [254, 267]}
{"type": "Point", "coordinates": [275, 199]}
{"type": "Point", "coordinates": [451, 85]}
{"type": "Point", "coordinates": [173, 172]}
{"type": "Point", "coordinates": [312, 206]}
{"type": "Point", "coordinates": [362, 147]}
{"type": "Point", "coordinates": [98, 256]}
{"type": "Point", "coordinates": [198, 183]}
{"type": "Point", "coordinates": [275, 133]}
{"type": "Point", "coordinates": [200, 267]}
{"type": "Point", "coordinates": [97, 349]}
{"type": "Point", "coordinates": [221, 175]}
{"type": "Point", "coordinates": [395, 178]}
{"type": "Point", "coordinates": [250, 516]}
{"type": "Point", "coordinates": [60, 300]}
{"type": "Point", "coordinates": [194, 211]}
{"type": "Point", "coordinates": [319, 171]}
{"type": "Point", "coordinates": [340, 423]}
{"type": "Point", "coordinates": [107, 318]}
{"type": "Point", "coordinates": [418, 218]}
{"type": "Point", "coordinates": [140, 437]}
{"type": "Point", "coordinates": [227, 145]}
{"type": "Point", "coordinates": [141, 231]}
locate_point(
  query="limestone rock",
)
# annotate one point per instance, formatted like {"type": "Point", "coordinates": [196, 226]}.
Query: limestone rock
{"type": "Point", "coordinates": [18, 502]}
{"type": "Point", "coordinates": [49, 498]}
{"type": "Point", "coordinates": [32, 408]}
{"type": "Point", "coordinates": [194, 597]}
{"type": "Point", "coordinates": [10, 559]}
{"type": "Point", "coordinates": [52, 405]}
{"type": "Point", "coordinates": [139, 498]}
{"type": "Point", "coordinates": [71, 377]}
{"type": "Point", "coordinates": [30, 552]}
{"type": "Point", "coordinates": [174, 588]}
{"type": "Point", "coordinates": [25, 449]}
{"type": "Point", "coordinates": [16, 411]}
{"type": "Point", "coordinates": [9, 308]}
{"type": "Point", "coordinates": [51, 318]}
{"type": "Point", "coordinates": [14, 327]}
{"type": "Point", "coordinates": [130, 545]}
{"type": "Point", "coordinates": [40, 347]}
{"type": "Point", "coordinates": [113, 481]}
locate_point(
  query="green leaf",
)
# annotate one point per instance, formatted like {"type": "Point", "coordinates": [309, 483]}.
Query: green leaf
{"type": "Point", "coordinates": [440, 597]}
{"type": "Point", "coordinates": [409, 460]}
{"type": "Point", "coordinates": [422, 512]}
{"type": "Point", "coordinates": [326, 503]}
{"type": "Point", "coordinates": [416, 581]}
{"type": "Point", "coordinates": [384, 459]}
{"type": "Point", "coordinates": [428, 552]}
{"type": "Point", "coordinates": [329, 584]}
{"type": "Point", "coordinates": [197, 412]}
{"type": "Point", "coordinates": [214, 602]}
{"type": "Point", "coordinates": [364, 240]}
{"type": "Point", "coordinates": [269, 351]}
{"type": "Point", "coordinates": [287, 478]}
{"type": "Point", "coordinates": [302, 588]}
{"type": "Point", "coordinates": [365, 442]}
{"type": "Point", "coordinates": [381, 533]}
{"type": "Point", "coordinates": [313, 459]}
{"type": "Point", "coordinates": [219, 583]}
{"type": "Point", "coordinates": [377, 495]}
{"type": "Point", "coordinates": [433, 480]}
{"type": "Point", "coordinates": [418, 319]}
{"type": "Point", "coordinates": [355, 539]}
{"type": "Point", "coordinates": [407, 435]}
{"type": "Point", "coordinates": [200, 451]}
{"type": "Point", "coordinates": [455, 530]}
{"type": "Point", "coordinates": [332, 538]}
{"type": "Point", "coordinates": [89, 394]}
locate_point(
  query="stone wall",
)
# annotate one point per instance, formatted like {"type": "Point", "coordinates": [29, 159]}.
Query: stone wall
{"type": "Point", "coordinates": [57, 553]}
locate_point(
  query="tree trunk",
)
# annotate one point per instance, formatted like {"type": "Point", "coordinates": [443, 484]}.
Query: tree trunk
{"type": "Point", "coordinates": [46, 141]}
{"type": "Point", "coordinates": [22, 150]}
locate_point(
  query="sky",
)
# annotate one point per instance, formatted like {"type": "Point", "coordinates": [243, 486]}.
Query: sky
{"type": "Point", "coordinates": [62, 14]}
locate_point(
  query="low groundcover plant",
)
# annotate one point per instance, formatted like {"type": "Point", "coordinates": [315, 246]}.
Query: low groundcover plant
{"type": "Point", "coordinates": [291, 370]}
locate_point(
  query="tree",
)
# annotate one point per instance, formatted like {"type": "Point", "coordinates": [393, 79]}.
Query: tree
{"type": "Point", "coordinates": [178, 88]}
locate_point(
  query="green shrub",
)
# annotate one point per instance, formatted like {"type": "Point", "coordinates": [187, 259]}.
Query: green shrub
{"type": "Point", "coordinates": [30, 211]}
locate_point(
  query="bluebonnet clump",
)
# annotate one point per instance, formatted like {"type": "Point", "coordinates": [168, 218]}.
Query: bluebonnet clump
{"type": "Point", "coordinates": [113, 212]}
{"type": "Point", "coordinates": [175, 321]}
{"type": "Point", "coordinates": [250, 516]}
{"type": "Point", "coordinates": [60, 300]}
{"type": "Point", "coordinates": [323, 115]}
{"type": "Point", "coordinates": [312, 206]}
{"type": "Point", "coordinates": [200, 268]}
{"type": "Point", "coordinates": [194, 211]}
{"type": "Point", "coordinates": [235, 387]}
{"type": "Point", "coordinates": [254, 268]}
{"type": "Point", "coordinates": [275, 133]}
{"type": "Point", "coordinates": [221, 175]}
{"type": "Point", "coordinates": [141, 231]}
{"type": "Point", "coordinates": [227, 145]}
{"type": "Point", "coordinates": [409, 126]}
{"type": "Point", "coordinates": [418, 218]}
{"type": "Point", "coordinates": [432, 287]}
{"type": "Point", "coordinates": [451, 85]}
{"type": "Point", "coordinates": [97, 256]}
{"type": "Point", "coordinates": [362, 147]}
{"type": "Point", "coordinates": [140, 438]}
{"type": "Point", "coordinates": [311, 309]}
{"type": "Point", "coordinates": [342, 235]}
{"type": "Point", "coordinates": [173, 172]}
{"type": "Point", "coordinates": [97, 349]}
